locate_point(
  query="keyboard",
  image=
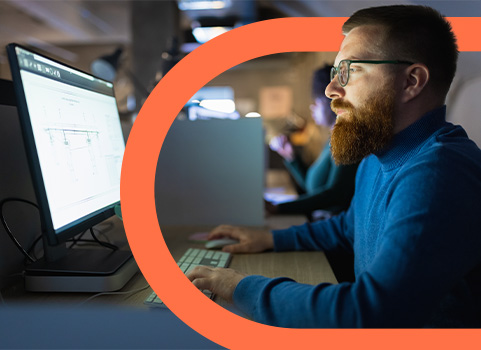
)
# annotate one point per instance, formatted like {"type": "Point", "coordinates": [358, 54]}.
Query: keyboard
{"type": "Point", "coordinates": [192, 258]}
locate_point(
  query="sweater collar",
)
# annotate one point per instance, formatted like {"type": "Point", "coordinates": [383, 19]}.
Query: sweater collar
{"type": "Point", "coordinates": [408, 141]}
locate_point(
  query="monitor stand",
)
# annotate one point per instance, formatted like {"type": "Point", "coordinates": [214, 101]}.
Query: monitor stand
{"type": "Point", "coordinates": [81, 270]}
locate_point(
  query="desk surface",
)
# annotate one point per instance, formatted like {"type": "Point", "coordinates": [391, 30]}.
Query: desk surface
{"type": "Point", "coordinates": [304, 267]}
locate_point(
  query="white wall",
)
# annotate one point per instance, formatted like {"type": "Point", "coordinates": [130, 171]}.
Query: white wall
{"type": "Point", "coordinates": [464, 98]}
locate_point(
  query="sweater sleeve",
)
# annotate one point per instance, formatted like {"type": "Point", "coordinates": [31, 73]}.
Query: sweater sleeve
{"type": "Point", "coordinates": [410, 277]}
{"type": "Point", "coordinates": [338, 232]}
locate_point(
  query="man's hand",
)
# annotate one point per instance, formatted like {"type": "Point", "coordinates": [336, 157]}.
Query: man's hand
{"type": "Point", "coordinates": [281, 145]}
{"type": "Point", "coordinates": [222, 282]}
{"type": "Point", "coordinates": [250, 240]}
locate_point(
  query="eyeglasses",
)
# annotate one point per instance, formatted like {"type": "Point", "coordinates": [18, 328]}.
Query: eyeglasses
{"type": "Point", "coordinates": [344, 68]}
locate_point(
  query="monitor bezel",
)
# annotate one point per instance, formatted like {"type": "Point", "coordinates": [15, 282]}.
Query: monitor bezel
{"type": "Point", "coordinates": [54, 237]}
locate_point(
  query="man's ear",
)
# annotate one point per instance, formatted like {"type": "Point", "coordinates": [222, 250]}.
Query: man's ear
{"type": "Point", "coordinates": [415, 78]}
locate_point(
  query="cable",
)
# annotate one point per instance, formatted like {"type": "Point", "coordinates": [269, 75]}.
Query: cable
{"type": "Point", "coordinates": [114, 293]}
{"type": "Point", "coordinates": [105, 226]}
{"type": "Point", "coordinates": [104, 244]}
{"type": "Point", "coordinates": [77, 241]}
{"type": "Point", "coordinates": [31, 250]}
{"type": "Point", "coordinates": [7, 229]}
{"type": "Point", "coordinates": [103, 233]}
{"type": "Point", "coordinates": [74, 240]}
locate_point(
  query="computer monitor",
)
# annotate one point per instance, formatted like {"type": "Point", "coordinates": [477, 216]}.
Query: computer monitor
{"type": "Point", "coordinates": [74, 144]}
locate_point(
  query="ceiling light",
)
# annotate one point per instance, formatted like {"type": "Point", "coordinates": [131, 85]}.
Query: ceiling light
{"type": "Point", "coordinates": [204, 34]}
{"type": "Point", "coordinates": [186, 5]}
{"type": "Point", "coordinates": [219, 105]}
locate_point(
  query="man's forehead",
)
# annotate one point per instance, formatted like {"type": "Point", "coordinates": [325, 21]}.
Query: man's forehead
{"type": "Point", "coordinates": [361, 43]}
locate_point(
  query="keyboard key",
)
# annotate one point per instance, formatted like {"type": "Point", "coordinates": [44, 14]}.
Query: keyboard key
{"type": "Point", "coordinates": [191, 259]}
{"type": "Point", "coordinates": [184, 267]}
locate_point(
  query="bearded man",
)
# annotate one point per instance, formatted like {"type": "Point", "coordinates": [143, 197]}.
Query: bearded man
{"type": "Point", "coordinates": [414, 223]}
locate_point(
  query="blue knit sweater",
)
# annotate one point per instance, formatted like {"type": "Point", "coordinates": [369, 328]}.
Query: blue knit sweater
{"type": "Point", "coordinates": [415, 228]}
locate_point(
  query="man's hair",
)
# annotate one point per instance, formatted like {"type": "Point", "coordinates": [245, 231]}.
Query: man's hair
{"type": "Point", "coordinates": [320, 79]}
{"type": "Point", "coordinates": [418, 34]}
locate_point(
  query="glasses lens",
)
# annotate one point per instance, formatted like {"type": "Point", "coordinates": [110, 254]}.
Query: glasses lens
{"type": "Point", "coordinates": [343, 72]}
{"type": "Point", "coordinates": [333, 72]}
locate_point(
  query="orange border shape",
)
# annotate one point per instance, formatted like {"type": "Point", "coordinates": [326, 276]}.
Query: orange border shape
{"type": "Point", "coordinates": [138, 177]}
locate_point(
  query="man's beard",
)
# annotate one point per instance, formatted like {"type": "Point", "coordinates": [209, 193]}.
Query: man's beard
{"type": "Point", "coordinates": [361, 131]}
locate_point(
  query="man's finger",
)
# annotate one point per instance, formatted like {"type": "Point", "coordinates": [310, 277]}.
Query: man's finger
{"type": "Point", "coordinates": [202, 283]}
{"type": "Point", "coordinates": [236, 248]}
{"type": "Point", "coordinates": [223, 232]}
{"type": "Point", "coordinates": [197, 272]}
{"type": "Point", "coordinates": [217, 235]}
{"type": "Point", "coordinates": [219, 231]}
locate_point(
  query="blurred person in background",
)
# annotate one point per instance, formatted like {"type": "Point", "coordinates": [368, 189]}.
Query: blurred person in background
{"type": "Point", "coordinates": [323, 185]}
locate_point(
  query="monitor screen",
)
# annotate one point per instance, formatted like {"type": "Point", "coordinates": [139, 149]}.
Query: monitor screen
{"type": "Point", "coordinates": [74, 142]}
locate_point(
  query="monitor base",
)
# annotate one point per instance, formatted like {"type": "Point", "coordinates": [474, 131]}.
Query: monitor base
{"type": "Point", "coordinates": [82, 270]}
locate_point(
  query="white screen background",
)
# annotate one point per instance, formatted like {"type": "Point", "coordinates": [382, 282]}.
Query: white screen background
{"type": "Point", "coordinates": [80, 146]}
